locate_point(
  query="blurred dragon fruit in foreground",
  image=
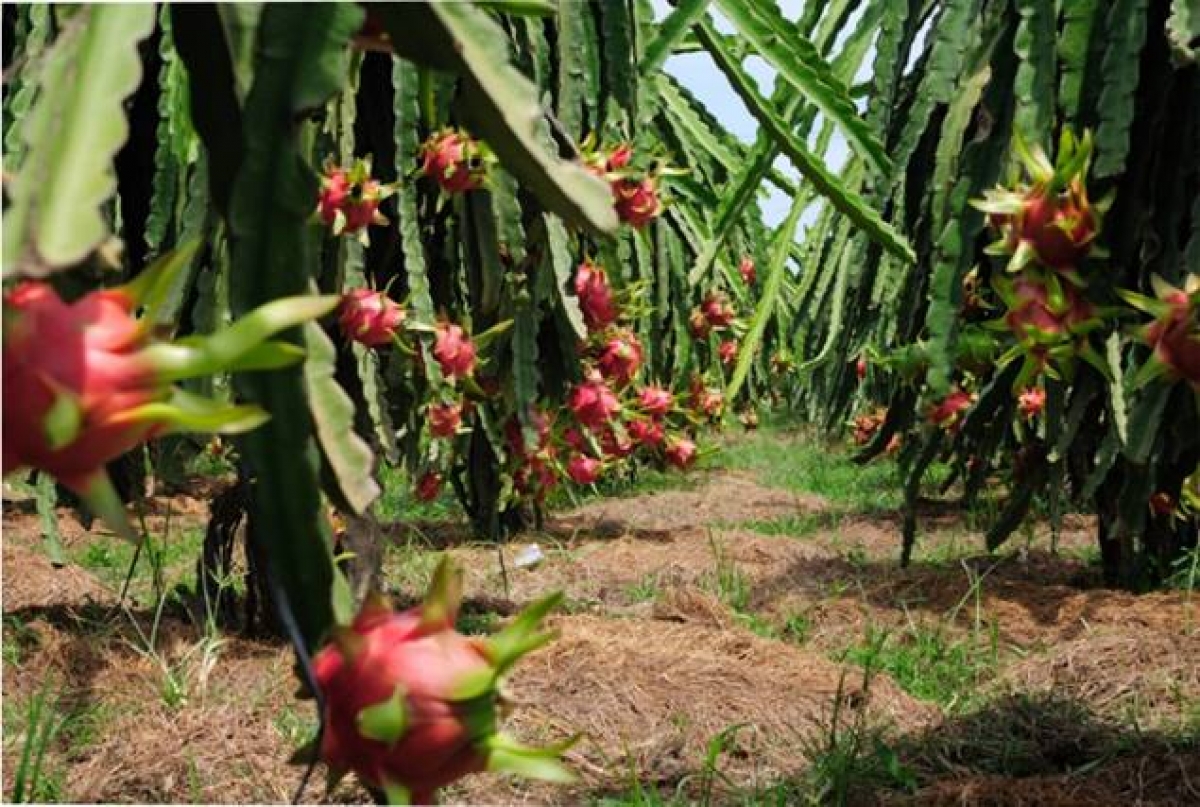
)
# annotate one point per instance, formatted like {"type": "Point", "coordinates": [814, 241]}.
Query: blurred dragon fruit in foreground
{"type": "Point", "coordinates": [85, 381]}
{"type": "Point", "coordinates": [411, 705]}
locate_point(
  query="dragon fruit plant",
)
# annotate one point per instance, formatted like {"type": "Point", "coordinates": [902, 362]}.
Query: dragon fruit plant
{"type": "Point", "coordinates": [86, 380]}
{"type": "Point", "coordinates": [454, 160]}
{"type": "Point", "coordinates": [411, 705]}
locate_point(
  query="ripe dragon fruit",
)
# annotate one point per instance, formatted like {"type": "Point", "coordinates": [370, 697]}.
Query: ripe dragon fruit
{"type": "Point", "coordinates": [699, 325]}
{"type": "Point", "coordinates": [727, 351]}
{"type": "Point", "coordinates": [535, 476]}
{"type": "Point", "coordinates": [648, 432]}
{"type": "Point", "coordinates": [428, 486]}
{"type": "Point", "coordinates": [593, 403]}
{"type": "Point", "coordinates": [348, 200]}
{"type": "Point", "coordinates": [454, 351]}
{"type": "Point", "coordinates": [860, 368]}
{"type": "Point", "coordinates": [370, 317]}
{"type": "Point", "coordinates": [1051, 220]}
{"type": "Point", "coordinates": [747, 271]}
{"type": "Point", "coordinates": [540, 426]}
{"type": "Point", "coordinates": [615, 444]}
{"type": "Point", "coordinates": [584, 470]}
{"type": "Point", "coordinates": [595, 296]}
{"type": "Point", "coordinates": [717, 309]}
{"type": "Point", "coordinates": [454, 160]}
{"type": "Point", "coordinates": [411, 705]}
{"type": "Point", "coordinates": [620, 358]}
{"type": "Point", "coordinates": [1042, 312]}
{"type": "Point", "coordinates": [1174, 335]}
{"type": "Point", "coordinates": [444, 419]}
{"type": "Point", "coordinates": [1031, 402]}
{"type": "Point", "coordinates": [655, 401]}
{"type": "Point", "coordinates": [949, 412]}
{"type": "Point", "coordinates": [85, 381]}
{"type": "Point", "coordinates": [866, 425]}
{"type": "Point", "coordinates": [637, 202]}
{"type": "Point", "coordinates": [680, 452]}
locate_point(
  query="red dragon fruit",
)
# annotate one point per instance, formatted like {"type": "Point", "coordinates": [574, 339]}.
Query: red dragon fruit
{"type": "Point", "coordinates": [1051, 220]}
{"type": "Point", "coordinates": [747, 271]}
{"type": "Point", "coordinates": [655, 401]}
{"type": "Point", "coordinates": [620, 358]}
{"type": "Point", "coordinates": [429, 485]}
{"type": "Point", "coordinates": [645, 432]}
{"type": "Point", "coordinates": [411, 705]}
{"type": "Point", "coordinates": [860, 368]}
{"type": "Point", "coordinates": [1031, 402]}
{"type": "Point", "coordinates": [699, 325]}
{"type": "Point", "coordinates": [370, 317]}
{"type": "Point", "coordinates": [348, 200]}
{"type": "Point", "coordinates": [444, 419]}
{"type": "Point", "coordinates": [1161, 504]}
{"type": "Point", "coordinates": [615, 444]}
{"type": "Point", "coordinates": [948, 412]}
{"type": "Point", "coordinates": [593, 403]}
{"type": "Point", "coordinates": [637, 201]}
{"type": "Point", "coordinates": [595, 296]}
{"type": "Point", "coordinates": [727, 351]}
{"type": "Point", "coordinates": [620, 157]}
{"type": "Point", "coordinates": [454, 351]}
{"type": "Point", "coordinates": [84, 382]}
{"type": "Point", "coordinates": [535, 476]}
{"type": "Point", "coordinates": [680, 452]}
{"type": "Point", "coordinates": [1174, 335]}
{"type": "Point", "coordinates": [717, 309]}
{"type": "Point", "coordinates": [455, 161]}
{"type": "Point", "coordinates": [584, 470]}
{"type": "Point", "coordinates": [574, 438]}
{"type": "Point", "coordinates": [1042, 312]}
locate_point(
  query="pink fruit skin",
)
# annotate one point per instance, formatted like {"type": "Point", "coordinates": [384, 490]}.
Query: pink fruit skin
{"type": "Point", "coordinates": [369, 317]}
{"type": "Point", "coordinates": [1031, 402]}
{"type": "Point", "coordinates": [515, 434]}
{"type": "Point", "coordinates": [717, 310]}
{"type": "Point", "coordinates": [727, 352]}
{"type": "Point", "coordinates": [454, 351]}
{"type": "Point", "coordinates": [746, 270]}
{"type": "Point", "coordinates": [428, 662]}
{"type": "Point", "coordinates": [619, 157]}
{"type": "Point", "coordinates": [593, 403]}
{"type": "Point", "coordinates": [621, 358]}
{"type": "Point", "coordinates": [680, 452]}
{"type": "Point", "coordinates": [860, 368]}
{"type": "Point", "coordinates": [637, 202]}
{"type": "Point", "coordinates": [615, 446]}
{"type": "Point", "coordinates": [444, 419]}
{"type": "Point", "coordinates": [535, 477]}
{"type": "Point", "coordinates": [1044, 223]}
{"type": "Point", "coordinates": [445, 160]}
{"type": "Point", "coordinates": [645, 432]}
{"type": "Point", "coordinates": [655, 401]}
{"type": "Point", "coordinates": [595, 297]}
{"type": "Point", "coordinates": [946, 412]}
{"type": "Point", "coordinates": [583, 470]}
{"type": "Point", "coordinates": [87, 349]}
{"type": "Point", "coordinates": [1034, 319]}
{"type": "Point", "coordinates": [334, 192]}
{"type": "Point", "coordinates": [1176, 339]}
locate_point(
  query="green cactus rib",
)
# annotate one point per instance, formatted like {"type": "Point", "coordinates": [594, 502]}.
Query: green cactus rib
{"type": "Point", "coordinates": [801, 65]}
{"type": "Point", "coordinates": [1119, 74]}
{"type": "Point", "coordinates": [1034, 86]}
{"type": "Point", "coordinates": [74, 128]}
{"type": "Point", "coordinates": [298, 65]}
{"type": "Point", "coordinates": [847, 202]}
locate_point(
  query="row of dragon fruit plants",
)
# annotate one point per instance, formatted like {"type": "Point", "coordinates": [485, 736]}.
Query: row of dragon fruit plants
{"type": "Point", "coordinates": [346, 259]}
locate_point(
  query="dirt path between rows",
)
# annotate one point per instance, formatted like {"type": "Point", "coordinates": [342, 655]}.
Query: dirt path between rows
{"type": "Point", "coordinates": [683, 626]}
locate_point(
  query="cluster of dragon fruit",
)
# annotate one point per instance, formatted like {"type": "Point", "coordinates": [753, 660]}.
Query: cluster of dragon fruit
{"type": "Point", "coordinates": [613, 413]}
{"type": "Point", "coordinates": [1046, 229]}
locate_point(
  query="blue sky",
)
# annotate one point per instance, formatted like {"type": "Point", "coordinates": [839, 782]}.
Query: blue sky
{"type": "Point", "coordinates": [698, 73]}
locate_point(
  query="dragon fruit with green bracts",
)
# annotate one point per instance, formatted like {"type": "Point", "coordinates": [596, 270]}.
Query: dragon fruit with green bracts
{"type": "Point", "coordinates": [1174, 335]}
{"type": "Point", "coordinates": [349, 198]}
{"type": "Point", "coordinates": [87, 380]}
{"type": "Point", "coordinates": [411, 705]}
{"type": "Point", "coordinates": [1050, 220]}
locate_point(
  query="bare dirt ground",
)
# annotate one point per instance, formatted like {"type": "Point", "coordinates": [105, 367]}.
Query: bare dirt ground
{"type": "Point", "coordinates": [684, 632]}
